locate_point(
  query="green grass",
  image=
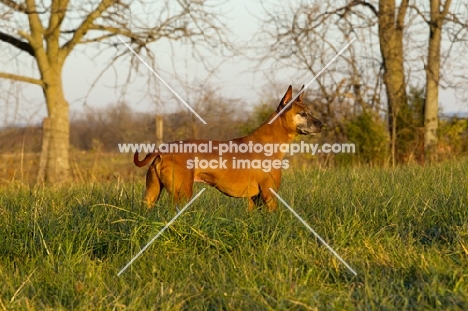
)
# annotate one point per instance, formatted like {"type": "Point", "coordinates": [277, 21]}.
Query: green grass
{"type": "Point", "coordinates": [405, 232]}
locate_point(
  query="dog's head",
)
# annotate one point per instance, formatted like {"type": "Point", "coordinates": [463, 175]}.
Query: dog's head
{"type": "Point", "coordinates": [297, 116]}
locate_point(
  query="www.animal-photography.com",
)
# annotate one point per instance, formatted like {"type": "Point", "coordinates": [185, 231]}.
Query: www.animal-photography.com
{"type": "Point", "coordinates": [233, 155]}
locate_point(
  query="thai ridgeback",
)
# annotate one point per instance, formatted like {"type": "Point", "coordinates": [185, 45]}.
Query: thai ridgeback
{"type": "Point", "coordinates": [238, 172]}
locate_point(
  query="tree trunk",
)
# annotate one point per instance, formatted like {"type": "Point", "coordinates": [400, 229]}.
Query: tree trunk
{"type": "Point", "coordinates": [57, 167]}
{"type": "Point", "coordinates": [431, 105]}
{"type": "Point", "coordinates": [391, 25]}
{"type": "Point", "coordinates": [45, 149]}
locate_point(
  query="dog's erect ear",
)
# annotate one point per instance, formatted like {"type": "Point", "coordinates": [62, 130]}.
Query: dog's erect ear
{"type": "Point", "coordinates": [302, 94]}
{"type": "Point", "coordinates": [286, 99]}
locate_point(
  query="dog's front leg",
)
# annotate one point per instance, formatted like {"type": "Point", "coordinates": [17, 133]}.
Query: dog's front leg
{"type": "Point", "coordinates": [268, 198]}
{"type": "Point", "coordinates": [252, 204]}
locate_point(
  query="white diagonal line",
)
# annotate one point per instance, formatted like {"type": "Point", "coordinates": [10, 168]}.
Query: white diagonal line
{"type": "Point", "coordinates": [315, 233]}
{"type": "Point", "coordinates": [160, 78]}
{"type": "Point", "coordinates": [160, 232]}
{"type": "Point", "coordinates": [310, 82]}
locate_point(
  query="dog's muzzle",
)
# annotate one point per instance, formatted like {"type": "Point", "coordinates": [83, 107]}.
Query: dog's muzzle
{"type": "Point", "coordinates": [313, 126]}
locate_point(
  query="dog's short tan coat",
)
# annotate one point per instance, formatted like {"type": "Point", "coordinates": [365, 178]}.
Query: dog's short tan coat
{"type": "Point", "coordinates": [170, 170]}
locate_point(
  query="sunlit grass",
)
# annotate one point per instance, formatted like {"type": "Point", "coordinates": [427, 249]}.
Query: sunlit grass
{"type": "Point", "coordinates": [405, 232]}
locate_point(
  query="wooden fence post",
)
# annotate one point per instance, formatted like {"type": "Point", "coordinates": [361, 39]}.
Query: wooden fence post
{"type": "Point", "coordinates": [159, 122]}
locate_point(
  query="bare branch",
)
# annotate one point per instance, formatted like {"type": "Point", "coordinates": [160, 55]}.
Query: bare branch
{"type": "Point", "coordinates": [21, 78]}
{"type": "Point", "coordinates": [24, 46]}
{"type": "Point", "coordinates": [442, 14]}
{"type": "Point", "coordinates": [400, 21]}
{"type": "Point", "coordinates": [421, 14]}
{"type": "Point", "coordinates": [35, 25]}
{"type": "Point", "coordinates": [98, 38]}
{"type": "Point", "coordinates": [124, 31]}
{"type": "Point", "coordinates": [446, 8]}
{"type": "Point", "coordinates": [366, 4]}
{"type": "Point", "coordinates": [344, 10]}
{"type": "Point", "coordinates": [85, 25]}
{"type": "Point", "coordinates": [20, 7]}
{"type": "Point", "coordinates": [57, 14]}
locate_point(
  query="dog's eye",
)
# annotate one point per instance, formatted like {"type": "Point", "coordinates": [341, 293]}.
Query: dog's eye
{"type": "Point", "coordinates": [303, 114]}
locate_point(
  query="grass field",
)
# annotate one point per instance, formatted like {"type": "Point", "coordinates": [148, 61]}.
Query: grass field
{"type": "Point", "coordinates": [405, 232]}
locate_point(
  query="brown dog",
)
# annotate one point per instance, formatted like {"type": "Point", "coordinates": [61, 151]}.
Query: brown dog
{"type": "Point", "coordinates": [241, 170]}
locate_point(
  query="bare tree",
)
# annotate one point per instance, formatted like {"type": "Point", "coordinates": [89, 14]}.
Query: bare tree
{"type": "Point", "coordinates": [305, 37]}
{"type": "Point", "coordinates": [431, 105]}
{"type": "Point", "coordinates": [48, 31]}
{"type": "Point", "coordinates": [391, 26]}
{"type": "Point", "coordinates": [444, 21]}
{"type": "Point", "coordinates": [309, 27]}
{"type": "Point", "coordinates": [391, 21]}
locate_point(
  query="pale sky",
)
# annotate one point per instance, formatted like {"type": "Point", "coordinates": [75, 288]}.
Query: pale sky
{"type": "Point", "coordinates": [235, 77]}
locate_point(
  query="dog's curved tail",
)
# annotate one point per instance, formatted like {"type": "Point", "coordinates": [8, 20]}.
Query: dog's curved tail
{"type": "Point", "coordinates": [148, 158]}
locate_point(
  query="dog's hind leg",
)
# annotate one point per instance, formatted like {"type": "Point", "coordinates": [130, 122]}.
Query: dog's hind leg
{"type": "Point", "coordinates": [153, 186]}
